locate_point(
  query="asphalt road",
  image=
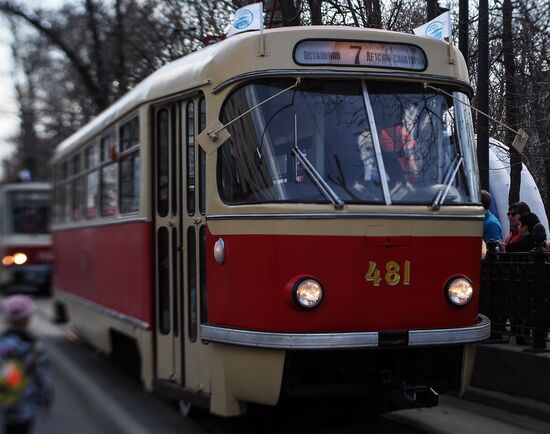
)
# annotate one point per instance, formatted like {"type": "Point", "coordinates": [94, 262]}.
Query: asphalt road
{"type": "Point", "coordinates": [94, 395]}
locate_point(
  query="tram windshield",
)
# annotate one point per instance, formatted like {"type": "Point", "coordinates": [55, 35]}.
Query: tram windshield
{"type": "Point", "coordinates": [368, 142]}
{"type": "Point", "coordinates": [29, 212]}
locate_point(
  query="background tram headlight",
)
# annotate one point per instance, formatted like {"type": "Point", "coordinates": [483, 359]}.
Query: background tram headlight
{"type": "Point", "coordinates": [7, 260]}
{"type": "Point", "coordinates": [308, 293]}
{"type": "Point", "coordinates": [459, 291]}
{"type": "Point", "coordinates": [17, 259]}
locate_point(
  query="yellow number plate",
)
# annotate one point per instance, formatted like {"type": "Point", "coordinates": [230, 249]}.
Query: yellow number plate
{"type": "Point", "coordinates": [392, 273]}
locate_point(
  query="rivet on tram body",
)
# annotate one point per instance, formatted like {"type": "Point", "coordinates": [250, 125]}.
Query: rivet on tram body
{"type": "Point", "coordinates": [219, 251]}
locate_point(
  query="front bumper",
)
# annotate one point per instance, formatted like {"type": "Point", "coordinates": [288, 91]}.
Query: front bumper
{"type": "Point", "coordinates": [315, 341]}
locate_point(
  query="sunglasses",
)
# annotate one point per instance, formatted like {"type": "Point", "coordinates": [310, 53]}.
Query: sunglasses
{"type": "Point", "coordinates": [512, 214]}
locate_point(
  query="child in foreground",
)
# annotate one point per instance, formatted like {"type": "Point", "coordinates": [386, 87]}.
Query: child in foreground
{"type": "Point", "coordinates": [26, 385]}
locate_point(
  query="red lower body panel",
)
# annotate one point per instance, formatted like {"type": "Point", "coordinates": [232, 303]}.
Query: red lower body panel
{"type": "Point", "coordinates": [369, 283]}
{"type": "Point", "coordinates": [108, 265]}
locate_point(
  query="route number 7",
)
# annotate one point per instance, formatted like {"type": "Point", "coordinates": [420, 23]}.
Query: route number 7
{"type": "Point", "coordinates": [358, 48]}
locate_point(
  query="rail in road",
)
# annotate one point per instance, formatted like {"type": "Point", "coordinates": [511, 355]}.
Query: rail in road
{"type": "Point", "coordinates": [126, 408]}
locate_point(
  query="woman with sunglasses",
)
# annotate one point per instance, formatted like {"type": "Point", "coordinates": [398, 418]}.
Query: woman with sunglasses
{"type": "Point", "coordinates": [514, 213]}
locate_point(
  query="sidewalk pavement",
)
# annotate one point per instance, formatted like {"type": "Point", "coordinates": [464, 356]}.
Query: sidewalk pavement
{"type": "Point", "coordinates": [512, 377]}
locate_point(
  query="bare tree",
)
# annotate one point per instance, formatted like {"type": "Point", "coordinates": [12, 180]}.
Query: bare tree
{"type": "Point", "coordinates": [510, 99]}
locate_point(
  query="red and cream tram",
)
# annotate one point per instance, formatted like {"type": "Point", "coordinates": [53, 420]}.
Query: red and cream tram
{"type": "Point", "coordinates": [293, 213]}
{"type": "Point", "coordinates": [25, 240]}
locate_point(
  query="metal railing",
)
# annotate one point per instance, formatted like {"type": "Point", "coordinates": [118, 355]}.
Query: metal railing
{"type": "Point", "coordinates": [515, 292]}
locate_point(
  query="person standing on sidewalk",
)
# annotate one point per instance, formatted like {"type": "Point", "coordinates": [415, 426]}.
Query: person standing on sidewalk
{"type": "Point", "coordinates": [26, 384]}
{"type": "Point", "coordinates": [491, 225]}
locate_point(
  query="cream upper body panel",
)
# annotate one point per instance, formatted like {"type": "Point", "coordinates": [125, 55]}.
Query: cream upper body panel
{"type": "Point", "coordinates": [217, 69]}
{"type": "Point", "coordinates": [212, 66]}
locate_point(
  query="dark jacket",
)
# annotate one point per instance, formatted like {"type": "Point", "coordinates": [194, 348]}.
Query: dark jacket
{"type": "Point", "coordinates": [20, 345]}
{"type": "Point", "coordinates": [525, 244]}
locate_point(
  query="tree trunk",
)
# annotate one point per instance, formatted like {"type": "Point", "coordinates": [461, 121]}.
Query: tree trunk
{"type": "Point", "coordinates": [315, 11]}
{"type": "Point", "coordinates": [290, 14]}
{"type": "Point", "coordinates": [374, 13]}
{"type": "Point", "coordinates": [120, 65]}
{"type": "Point", "coordinates": [511, 112]}
{"type": "Point", "coordinates": [431, 9]}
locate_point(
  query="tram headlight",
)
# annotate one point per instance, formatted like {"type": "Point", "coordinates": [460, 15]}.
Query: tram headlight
{"type": "Point", "coordinates": [459, 291]}
{"type": "Point", "coordinates": [308, 293]}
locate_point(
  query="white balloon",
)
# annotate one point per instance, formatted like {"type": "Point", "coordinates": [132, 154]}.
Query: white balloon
{"type": "Point", "coordinates": [499, 184]}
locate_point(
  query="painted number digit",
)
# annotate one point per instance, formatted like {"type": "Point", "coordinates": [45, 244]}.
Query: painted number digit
{"type": "Point", "coordinates": [373, 275]}
{"type": "Point", "coordinates": [358, 48]}
{"type": "Point", "coordinates": [407, 273]}
{"type": "Point", "coordinates": [392, 273]}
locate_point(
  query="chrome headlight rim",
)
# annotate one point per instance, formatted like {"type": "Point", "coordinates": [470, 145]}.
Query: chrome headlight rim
{"type": "Point", "coordinates": [448, 296]}
{"type": "Point", "coordinates": [296, 289]}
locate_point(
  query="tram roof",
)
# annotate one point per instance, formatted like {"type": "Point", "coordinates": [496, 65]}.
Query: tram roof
{"type": "Point", "coordinates": [237, 55]}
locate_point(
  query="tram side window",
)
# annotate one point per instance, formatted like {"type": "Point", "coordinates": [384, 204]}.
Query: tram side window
{"type": "Point", "coordinates": [66, 205]}
{"type": "Point", "coordinates": [77, 189]}
{"type": "Point", "coordinates": [190, 134]}
{"type": "Point", "coordinates": [92, 182]}
{"type": "Point", "coordinates": [129, 167]}
{"type": "Point", "coordinates": [202, 159]}
{"type": "Point", "coordinates": [162, 162]}
{"type": "Point", "coordinates": [59, 194]}
{"type": "Point", "coordinates": [109, 176]}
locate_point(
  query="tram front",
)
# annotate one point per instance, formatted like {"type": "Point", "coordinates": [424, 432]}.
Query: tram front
{"type": "Point", "coordinates": [349, 219]}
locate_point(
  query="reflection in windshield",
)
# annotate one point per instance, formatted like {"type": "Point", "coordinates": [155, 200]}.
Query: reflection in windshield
{"type": "Point", "coordinates": [412, 131]}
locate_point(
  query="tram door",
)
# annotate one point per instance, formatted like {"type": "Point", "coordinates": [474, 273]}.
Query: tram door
{"type": "Point", "coordinates": [180, 239]}
{"type": "Point", "coordinates": [194, 230]}
{"type": "Point", "coordinates": [168, 242]}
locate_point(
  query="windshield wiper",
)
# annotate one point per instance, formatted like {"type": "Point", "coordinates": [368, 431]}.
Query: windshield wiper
{"type": "Point", "coordinates": [317, 179]}
{"type": "Point", "coordinates": [312, 172]}
{"type": "Point", "coordinates": [442, 194]}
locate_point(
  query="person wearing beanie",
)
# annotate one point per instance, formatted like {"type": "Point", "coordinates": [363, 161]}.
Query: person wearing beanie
{"type": "Point", "coordinates": [526, 243]}
{"type": "Point", "coordinates": [514, 212]}
{"type": "Point", "coordinates": [27, 386]}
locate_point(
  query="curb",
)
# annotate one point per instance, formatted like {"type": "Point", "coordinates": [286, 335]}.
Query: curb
{"type": "Point", "coordinates": [518, 405]}
{"type": "Point", "coordinates": [122, 421]}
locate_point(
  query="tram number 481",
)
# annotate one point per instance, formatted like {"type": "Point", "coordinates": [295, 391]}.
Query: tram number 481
{"type": "Point", "coordinates": [393, 273]}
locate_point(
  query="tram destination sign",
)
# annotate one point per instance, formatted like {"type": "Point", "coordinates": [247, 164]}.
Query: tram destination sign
{"type": "Point", "coordinates": [360, 53]}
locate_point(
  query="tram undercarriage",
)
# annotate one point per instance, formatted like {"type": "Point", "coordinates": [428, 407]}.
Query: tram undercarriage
{"type": "Point", "coordinates": [390, 379]}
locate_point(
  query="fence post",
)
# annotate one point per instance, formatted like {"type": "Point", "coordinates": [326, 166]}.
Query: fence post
{"type": "Point", "coordinates": [537, 303]}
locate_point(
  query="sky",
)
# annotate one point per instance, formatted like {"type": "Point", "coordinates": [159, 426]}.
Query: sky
{"type": "Point", "coordinates": [8, 106]}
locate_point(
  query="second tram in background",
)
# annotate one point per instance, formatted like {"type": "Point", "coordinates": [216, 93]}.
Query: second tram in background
{"type": "Point", "coordinates": [321, 236]}
{"type": "Point", "coordinates": [25, 239]}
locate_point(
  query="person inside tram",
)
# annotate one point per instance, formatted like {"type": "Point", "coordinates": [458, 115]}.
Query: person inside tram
{"type": "Point", "coordinates": [397, 146]}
